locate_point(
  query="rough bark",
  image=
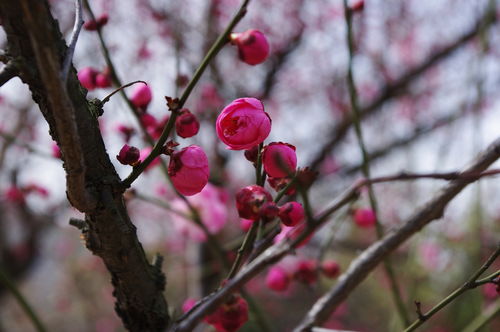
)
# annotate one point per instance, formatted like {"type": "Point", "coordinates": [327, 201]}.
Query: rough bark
{"type": "Point", "coordinates": [36, 46]}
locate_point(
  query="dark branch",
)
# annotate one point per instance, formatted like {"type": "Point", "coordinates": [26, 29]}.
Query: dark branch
{"type": "Point", "coordinates": [92, 182]}
{"type": "Point", "coordinates": [361, 267]}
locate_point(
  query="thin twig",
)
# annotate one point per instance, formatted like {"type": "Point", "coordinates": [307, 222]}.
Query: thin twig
{"type": "Point", "coordinates": [74, 38]}
{"type": "Point", "coordinates": [356, 119]}
{"type": "Point", "coordinates": [468, 285]}
{"type": "Point", "coordinates": [361, 267]}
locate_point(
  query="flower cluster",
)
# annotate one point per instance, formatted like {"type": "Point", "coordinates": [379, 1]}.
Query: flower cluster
{"type": "Point", "coordinates": [278, 278]}
{"type": "Point", "coordinates": [228, 317]}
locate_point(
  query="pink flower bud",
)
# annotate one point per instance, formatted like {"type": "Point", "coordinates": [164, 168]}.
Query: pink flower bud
{"type": "Point", "coordinates": [277, 279]}
{"type": "Point", "coordinates": [188, 304]}
{"type": "Point", "coordinates": [357, 5]}
{"type": "Point", "coordinates": [291, 213]}
{"type": "Point", "coordinates": [364, 218]}
{"type": "Point", "coordinates": [249, 200]}
{"type": "Point", "coordinates": [245, 224]}
{"type": "Point", "coordinates": [102, 81]}
{"type": "Point", "coordinates": [243, 124]}
{"type": "Point", "coordinates": [98, 23]}
{"type": "Point", "coordinates": [102, 20]}
{"type": "Point", "coordinates": [306, 272]}
{"type": "Point", "coordinates": [186, 124]}
{"type": "Point", "coordinates": [279, 159]}
{"type": "Point", "coordinates": [128, 155]}
{"type": "Point", "coordinates": [148, 121]}
{"type": "Point", "coordinates": [126, 131]}
{"type": "Point", "coordinates": [188, 169]}
{"type": "Point", "coordinates": [330, 268]}
{"type": "Point", "coordinates": [269, 211]}
{"type": "Point", "coordinates": [87, 78]}
{"type": "Point", "coordinates": [253, 47]}
{"type": "Point", "coordinates": [141, 96]}
{"type": "Point", "coordinates": [229, 316]}
{"type": "Point", "coordinates": [56, 152]}
{"type": "Point", "coordinates": [90, 25]}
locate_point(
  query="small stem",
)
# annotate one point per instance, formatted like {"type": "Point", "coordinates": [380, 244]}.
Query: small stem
{"type": "Point", "coordinates": [106, 99]}
{"type": "Point", "coordinates": [283, 191]}
{"type": "Point", "coordinates": [74, 38]}
{"type": "Point", "coordinates": [247, 242]}
{"type": "Point", "coordinates": [356, 119]}
{"type": "Point", "coordinates": [258, 166]}
{"type": "Point", "coordinates": [22, 301]}
{"type": "Point", "coordinates": [470, 284]}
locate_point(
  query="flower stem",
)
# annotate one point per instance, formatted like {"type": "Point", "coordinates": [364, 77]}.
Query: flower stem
{"type": "Point", "coordinates": [396, 294]}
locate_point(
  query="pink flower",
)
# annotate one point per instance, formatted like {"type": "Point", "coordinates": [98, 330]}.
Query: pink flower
{"type": "Point", "coordinates": [330, 268]}
{"type": "Point", "coordinates": [102, 81]}
{"type": "Point", "coordinates": [279, 159]}
{"type": "Point", "coordinates": [148, 121]}
{"type": "Point", "coordinates": [186, 124]}
{"type": "Point", "coordinates": [253, 47]}
{"type": "Point", "coordinates": [229, 316]}
{"type": "Point", "coordinates": [188, 304]}
{"type": "Point", "coordinates": [87, 78]}
{"type": "Point", "coordinates": [268, 211]}
{"type": "Point", "coordinates": [292, 233]}
{"type": "Point", "coordinates": [243, 124]}
{"type": "Point", "coordinates": [98, 23]}
{"type": "Point", "coordinates": [126, 131]}
{"type": "Point", "coordinates": [357, 5]}
{"type": "Point", "coordinates": [291, 213]}
{"type": "Point", "coordinates": [188, 170]}
{"type": "Point", "coordinates": [209, 99]}
{"type": "Point", "coordinates": [364, 217]}
{"type": "Point", "coordinates": [277, 279]}
{"type": "Point", "coordinates": [306, 272]}
{"type": "Point", "coordinates": [211, 208]}
{"type": "Point", "coordinates": [128, 155]}
{"type": "Point", "coordinates": [245, 224]}
{"type": "Point", "coordinates": [141, 96]}
{"type": "Point", "coordinates": [56, 152]}
{"type": "Point", "coordinates": [249, 201]}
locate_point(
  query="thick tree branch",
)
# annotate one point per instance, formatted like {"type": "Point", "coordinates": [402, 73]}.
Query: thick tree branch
{"type": "Point", "coordinates": [398, 86]}
{"type": "Point", "coordinates": [372, 256]}
{"type": "Point", "coordinates": [92, 182]}
{"type": "Point", "coordinates": [366, 261]}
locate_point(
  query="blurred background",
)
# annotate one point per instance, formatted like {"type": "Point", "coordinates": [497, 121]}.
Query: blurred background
{"type": "Point", "coordinates": [428, 80]}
